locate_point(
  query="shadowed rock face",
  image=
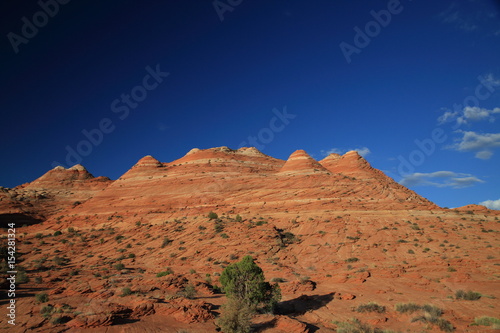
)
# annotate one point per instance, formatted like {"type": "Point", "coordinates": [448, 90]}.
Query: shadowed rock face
{"type": "Point", "coordinates": [18, 219]}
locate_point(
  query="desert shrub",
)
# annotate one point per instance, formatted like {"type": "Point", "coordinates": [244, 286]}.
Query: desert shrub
{"type": "Point", "coordinates": [238, 218]}
{"type": "Point", "coordinates": [289, 238]}
{"type": "Point", "coordinates": [224, 235]}
{"type": "Point", "coordinates": [218, 227]}
{"type": "Point", "coordinates": [244, 281]}
{"type": "Point", "coordinates": [119, 266]}
{"type": "Point", "coordinates": [235, 317]}
{"type": "Point", "coordinates": [166, 241]}
{"type": "Point", "coordinates": [407, 307]}
{"type": "Point", "coordinates": [126, 292]}
{"type": "Point", "coordinates": [42, 298]}
{"type": "Point", "coordinates": [443, 324]}
{"type": "Point", "coordinates": [371, 307]}
{"type": "Point", "coordinates": [46, 310]}
{"type": "Point", "coordinates": [353, 259]}
{"type": "Point", "coordinates": [22, 277]}
{"type": "Point", "coordinates": [355, 326]}
{"type": "Point", "coordinates": [165, 273]}
{"type": "Point", "coordinates": [212, 216]}
{"type": "Point", "coordinates": [487, 321]}
{"type": "Point", "coordinates": [467, 295]}
{"type": "Point", "coordinates": [57, 233]}
{"type": "Point", "coordinates": [432, 310]}
{"type": "Point", "coordinates": [189, 291]}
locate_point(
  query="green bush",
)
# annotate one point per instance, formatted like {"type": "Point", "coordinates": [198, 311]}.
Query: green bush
{"type": "Point", "coordinates": [355, 326]}
{"type": "Point", "coordinates": [212, 215]}
{"type": "Point", "coordinates": [371, 307]}
{"type": "Point", "coordinates": [42, 298]}
{"type": "Point", "coordinates": [238, 218]}
{"type": "Point", "coordinates": [189, 291]}
{"type": "Point", "coordinates": [442, 324]}
{"type": "Point", "coordinates": [487, 321]}
{"type": "Point", "coordinates": [467, 295]}
{"type": "Point", "coordinates": [126, 292]}
{"type": "Point", "coordinates": [353, 259]}
{"type": "Point", "coordinates": [22, 277]}
{"type": "Point", "coordinates": [47, 310]}
{"type": "Point", "coordinates": [164, 273]}
{"type": "Point", "coordinates": [119, 266]}
{"type": "Point", "coordinates": [236, 317]}
{"type": "Point", "coordinates": [432, 310]}
{"type": "Point", "coordinates": [244, 281]}
{"type": "Point", "coordinates": [57, 233]}
{"type": "Point", "coordinates": [407, 307]}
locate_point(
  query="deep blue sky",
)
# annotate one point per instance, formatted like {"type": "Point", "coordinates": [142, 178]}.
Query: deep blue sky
{"type": "Point", "coordinates": [226, 77]}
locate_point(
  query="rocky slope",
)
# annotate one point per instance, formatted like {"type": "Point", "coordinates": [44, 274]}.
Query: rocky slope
{"type": "Point", "coordinates": [56, 190]}
{"type": "Point", "coordinates": [335, 234]}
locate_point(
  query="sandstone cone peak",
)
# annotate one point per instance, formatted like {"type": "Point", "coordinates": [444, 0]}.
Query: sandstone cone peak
{"type": "Point", "coordinates": [330, 161]}
{"type": "Point", "coordinates": [351, 164]}
{"type": "Point", "coordinates": [60, 174]}
{"type": "Point", "coordinates": [301, 162]}
{"type": "Point", "coordinates": [148, 161]}
{"type": "Point", "coordinates": [250, 151]}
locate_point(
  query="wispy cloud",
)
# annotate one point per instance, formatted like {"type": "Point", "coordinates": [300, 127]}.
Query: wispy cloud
{"type": "Point", "coordinates": [453, 15]}
{"type": "Point", "coordinates": [470, 17]}
{"type": "Point", "coordinates": [491, 204]}
{"type": "Point", "coordinates": [482, 144]}
{"type": "Point", "coordinates": [441, 179]}
{"type": "Point", "coordinates": [469, 114]}
{"type": "Point", "coordinates": [361, 151]}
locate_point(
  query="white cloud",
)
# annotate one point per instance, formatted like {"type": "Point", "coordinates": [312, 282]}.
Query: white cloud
{"type": "Point", "coordinates": [469, 18]}
{"type": "Point", "coordinates": [361, 151]}
{"type": "Point", "coordinates": [491, 204]}
{"type": "Point", "coordinates": [455, 17]}
{"type": "Point", "coordinates": [441, 179]}
{"type": "Point", "coordinates": [489, 78]}
{"type": "Point", "coordinates": [481, 144]}
{"type": "Point", "coordinates": [469, 114]}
